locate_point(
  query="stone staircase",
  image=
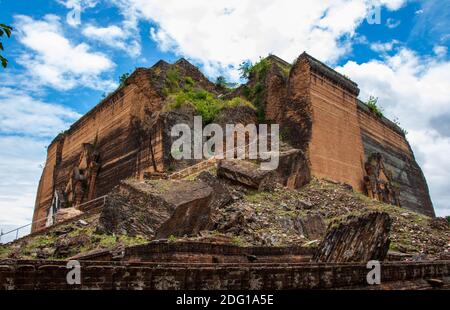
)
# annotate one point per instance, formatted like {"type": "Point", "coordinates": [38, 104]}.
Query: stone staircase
{"type": "Point", "coordinates": [204, 164]}
{"type": "Point", "coordinates": [197, 168]}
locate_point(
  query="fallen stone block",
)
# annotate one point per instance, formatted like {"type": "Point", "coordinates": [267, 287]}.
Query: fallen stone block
{"type": "Point", "coordinates": [157, 208]}
{"type": "Point", "coordinates": [293, 170]}
{"type": "Point", "coordinates": [312, 226]}
{"type": "Point", "coordinates": [65, 214]}
{"type": "Point", "coordinates": [221, 195]}
{"type": "Point", "coordinates": [246, 173]}
{"type": "Point", "coordinates": [191, 211]}
{"type": "Point", "coordinates": [356, 239]}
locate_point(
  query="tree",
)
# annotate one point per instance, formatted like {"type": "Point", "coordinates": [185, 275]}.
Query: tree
{"type": "Point", "coordinates": [245, 68]}
{"type": "Point", "coordinates": [123, 77]}
{"type": "Point", "coordinates": [4, 29]}
{"type": "Point", "coordinates": [221, 82]}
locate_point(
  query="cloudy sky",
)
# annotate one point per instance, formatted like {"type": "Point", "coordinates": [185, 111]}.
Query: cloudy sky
{"type": "Point", "coordinates": [64, 54]}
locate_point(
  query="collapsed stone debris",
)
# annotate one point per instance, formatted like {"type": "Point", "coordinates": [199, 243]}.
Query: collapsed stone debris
{"type": "Point", "coordinates": [356, 239]}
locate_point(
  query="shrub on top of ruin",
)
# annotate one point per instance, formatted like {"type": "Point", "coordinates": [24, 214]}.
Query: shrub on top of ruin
{"type": "Point", "coordinates": [204, 103]}
{"type": "Point", "coordinates": [397, 122]}
{"type": "Point", "coordinates": [172, 79]}
{"type": "Point", "coordinates": [245, 69]}
{"type": "Point", "coordinates": [123, 78]}
{"type": "Point", "coordinates": [260, 69]}
{"type": "Point", "coordinates": [255, 93]}
{"type": "Point", "coordinates": [238, 101]}
{"type": "Point", "coordinates": [189, 81]}
{"type": "Point", "coordinates": [221, 82]}
{"type": "Point", "coordinates": [372, 104]}
{"type": "Point", "coordinates": [256, 96]}
{"type": "Point", "coordinates": [237, 241]}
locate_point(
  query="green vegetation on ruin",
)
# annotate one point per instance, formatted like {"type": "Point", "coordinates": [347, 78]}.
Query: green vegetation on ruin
{"type": "Point", "coordinates": [397, 122]}
{"type": "Point", "coordinates": [257, 73]}
{"type": "Point", "coordinates": [123, 77]}
{"type": "Point", "coordinates": [204, 103]}
{"type": "Point", "coordinates": [74, 237]}
{"type": "Point", "coordinates": [254, 91]}
{"type": "Point", "coordinates": [265, 218]}
{"type": "Point", "coordinates": [182, 91]}
{"type": "Point", "coordinates": [172, 238]}
{"type": "Point", "coordinates": [372, 104]}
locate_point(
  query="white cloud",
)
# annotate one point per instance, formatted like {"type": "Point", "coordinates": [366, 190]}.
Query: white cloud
{"type": "Point", "coordinates": [440, 50]}
{"type": "Point", "coordinates": [26, 127]}
{"type": "Point", "coordinates": [20, 168]}
{"type": "Point", "coordinates": [392, 23]}
{"type": "Point", "coordinates": [223, 33]}
{"type": "Point", "coordinates": [416, 90]}
{"type": "Point", "coordinates": [55, 61]}
{"type": "Point", "coordinates": [391, 4]}
{"type": "Point", "coordinates": [22, 115]}
{"type": "Point", "coordinates": [384, 47]}
{"type": "Point", "coordinates": [434, 149]}
{"type": "Point", "coordinates": [116, 37]}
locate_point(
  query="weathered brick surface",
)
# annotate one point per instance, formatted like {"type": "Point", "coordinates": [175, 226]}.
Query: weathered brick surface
{"type": "Point", "coordinates": [115, 275]}
{"type": "Point", "coordinates": [201, 252]}
{"type": "Point", "coordinates": [336, 149]}
{"type": "Point", "coordinates": [119, 144]}
{"type": "Point", "coordinates": [380, 136]}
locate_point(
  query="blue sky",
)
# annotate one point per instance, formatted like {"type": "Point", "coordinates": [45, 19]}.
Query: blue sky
{"type": "Point", "coordinates": [60, 66]}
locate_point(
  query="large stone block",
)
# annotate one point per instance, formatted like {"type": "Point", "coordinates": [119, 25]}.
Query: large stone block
{"type": "Point", "coordinates": [356, 239]}
{"type": "Point", "coordinates": [191, 209]}
{"type": "Point", "coordinates": [157, 208]}
{"type": "Point", "coordinates": [246, 173]}
{"type": "Point", "coordinates": [66, 214]}
{"type": "Point", "coordinates": [312, 226]}
{"type": "Point", "coordinates": [221, 195]}
{"type": "Point", "coordinates": [293, 170]}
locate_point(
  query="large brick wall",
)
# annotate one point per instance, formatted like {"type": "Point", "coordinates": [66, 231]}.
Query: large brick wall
{"type": "Point", "coordinates": [48, 275]}
{"type": "Point", "coordinates": [120, 145]}
{"type": "Point", "coordinates": [336, 150]}
{"type": "Point", "coordinates": [339, 133]}
{"type": "Point", "coordinates": [380, 135]}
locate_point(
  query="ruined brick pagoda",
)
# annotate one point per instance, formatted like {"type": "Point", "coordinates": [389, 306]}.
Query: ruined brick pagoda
{"type": "Point", "coordinates": [127, 135]}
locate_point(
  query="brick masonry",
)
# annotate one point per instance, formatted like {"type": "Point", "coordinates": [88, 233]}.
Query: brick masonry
{"type": "Point", "coordinates": [201, 252]}
{"type": "Point", "coordinates": [121, 152]}
{"type": "Point", "coordinates": [344, 133]}
{"type": "Point", "coordinates": [382, 136]}
{"type": "Point", "coordinates": [49, 275]}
